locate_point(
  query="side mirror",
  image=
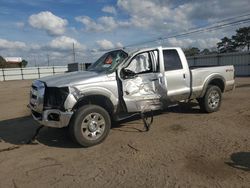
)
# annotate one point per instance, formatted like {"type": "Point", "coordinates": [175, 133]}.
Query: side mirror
{"type": "Point", "coordinates": [128, 74]}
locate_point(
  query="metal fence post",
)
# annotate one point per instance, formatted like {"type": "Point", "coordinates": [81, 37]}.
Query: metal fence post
{"type": "Point", "coordinates": [3, 74]}
{"type": "Point", "coordinates": [38, 69]}
{"type": "Point", "coordinates": [22, 72]}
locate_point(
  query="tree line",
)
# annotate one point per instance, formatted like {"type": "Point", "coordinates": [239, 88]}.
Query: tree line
{"type": "Point", "coordinates": [238, 42]}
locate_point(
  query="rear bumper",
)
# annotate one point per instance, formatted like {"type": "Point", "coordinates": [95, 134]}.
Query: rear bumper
{"type": "Point", "coordinates": [52, 118]}
{"type": "Point", "coordinates": [230, 86]}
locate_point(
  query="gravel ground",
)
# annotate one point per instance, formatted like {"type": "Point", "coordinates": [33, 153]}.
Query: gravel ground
{"type": "Point", "coordinates": [184, 148]}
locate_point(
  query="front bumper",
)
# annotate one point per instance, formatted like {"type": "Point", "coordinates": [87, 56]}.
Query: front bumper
{"type": "Point", "coordinates": [52, 118]}
{"type": "Point", "coordinates": [49, 117]}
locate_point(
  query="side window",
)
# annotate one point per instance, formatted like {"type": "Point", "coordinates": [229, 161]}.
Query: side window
{"type": "Point", "coordinates": [141, 63]}
{"type": "Point", "coordinates": [171, 60]}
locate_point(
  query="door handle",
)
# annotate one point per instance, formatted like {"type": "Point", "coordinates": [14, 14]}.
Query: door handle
{"type": "Point", "coordinates": [184, 75]}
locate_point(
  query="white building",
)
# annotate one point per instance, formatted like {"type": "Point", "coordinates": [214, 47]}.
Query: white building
{"type": "Point", "coordinates": [13, 59]}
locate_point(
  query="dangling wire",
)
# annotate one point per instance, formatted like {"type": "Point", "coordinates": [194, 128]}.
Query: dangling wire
{"type": "Point", "coordinates": [144, 118]}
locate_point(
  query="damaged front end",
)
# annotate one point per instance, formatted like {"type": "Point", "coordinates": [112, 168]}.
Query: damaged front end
{"type": "Point", "coordinates": [51, 106]}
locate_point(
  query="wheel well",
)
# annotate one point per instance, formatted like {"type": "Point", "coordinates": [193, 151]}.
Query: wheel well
{"type": "Point", "coordinates": [218, 82]}
{"type": "Point", "coordinates": [99, 100]}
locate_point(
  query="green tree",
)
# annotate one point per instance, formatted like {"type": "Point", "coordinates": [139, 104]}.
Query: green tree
{"type": "Point", "coordinates": [242, 38]}
{"type": "Point", "coordinates": [191, 51]}
{"type": "Point", "coordinates": [205, 51]}
{"type": "Point", "coordinates": [226, 45]}
{"type": "Point", "coordinates": [2, 62]}
{"type": "Point", "coordinates": [24, 63]}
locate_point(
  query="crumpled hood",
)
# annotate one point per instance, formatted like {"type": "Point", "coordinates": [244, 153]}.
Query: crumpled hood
{"type": "Point", "coordinates": [72, 78]}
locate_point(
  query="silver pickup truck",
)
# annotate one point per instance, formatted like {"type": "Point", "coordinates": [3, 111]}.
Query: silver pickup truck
{"type": "Point", "coordinates": [119, 84]}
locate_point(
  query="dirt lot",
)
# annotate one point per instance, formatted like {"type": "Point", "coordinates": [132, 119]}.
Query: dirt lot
{"type": "Point", "coordinates": [184, 148]}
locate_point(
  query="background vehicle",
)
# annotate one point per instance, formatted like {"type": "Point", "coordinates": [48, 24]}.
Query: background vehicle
{"type": "Point", "coordinates": [119, 84]}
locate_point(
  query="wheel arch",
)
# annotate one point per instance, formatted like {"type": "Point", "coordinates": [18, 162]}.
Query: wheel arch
{"type": "Point", "coordinates": [216, 80]}
{"type": "Point", "coordinates": [96, 99]}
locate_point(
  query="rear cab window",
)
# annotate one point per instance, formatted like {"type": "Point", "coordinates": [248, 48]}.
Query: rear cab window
{"type": "Point", "coordinates": [172, 60]}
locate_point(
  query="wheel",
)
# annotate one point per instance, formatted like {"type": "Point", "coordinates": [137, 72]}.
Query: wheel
{"type": "Point", "coordinates": [212, 99]}
{"type": "Point", "coordinates": [90, 125]}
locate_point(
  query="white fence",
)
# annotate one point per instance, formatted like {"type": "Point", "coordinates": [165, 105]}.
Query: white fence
{"type": "Point", "coordinates": [30, 72]}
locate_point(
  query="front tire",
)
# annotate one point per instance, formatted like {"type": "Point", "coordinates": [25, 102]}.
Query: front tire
{"type": "Point", "coordinates": [212, 99]}
{"type": "Point", "coordinates": [90, 125]}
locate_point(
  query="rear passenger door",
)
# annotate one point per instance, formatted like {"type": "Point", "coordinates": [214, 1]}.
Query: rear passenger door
{"type": "Point", "coordinates": [176, 75]}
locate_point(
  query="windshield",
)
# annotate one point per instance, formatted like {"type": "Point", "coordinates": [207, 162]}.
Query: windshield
{"type": "Point", "coordinates": [109, 61]}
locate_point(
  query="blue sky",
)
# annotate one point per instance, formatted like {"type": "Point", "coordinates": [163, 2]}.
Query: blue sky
{"type": "Point", "coordinates": [40, 28]}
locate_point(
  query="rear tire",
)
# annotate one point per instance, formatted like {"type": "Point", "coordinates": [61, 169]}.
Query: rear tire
{"type": "Point", "coordinates": [90, 125]}
{"type": "Point", "coordinates": [212, 99]}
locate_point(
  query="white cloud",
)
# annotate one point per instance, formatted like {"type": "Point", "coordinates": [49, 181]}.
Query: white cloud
{"type": "Point", "coordinates": [107, 45]}
{"type": "Point", "coordinates": [90, 25]}
{"type": "Point", "coordinates": [6, 44]}
{"type": "Point", "coordinates": [207, 43]}
{"type": "Point", "coordinates": [145, 19]}
{"type": "Point", "coordinates": [58, 50]}
{"type": "Point", "coordinates": [49, 22]}
{"type": "Point", "coordinates": [180, 42]}
{"type": "Point", "coordinates": [189, 42]}
{"type": "Point", "coordinates": [216, 9]}
{"type": "Point", "coordinates": [119, 45]}
{"type": "Point", "coordinates": [146, 8]}
{"type": "Point", "coordinates": [142, 14]}
{"type": "Point", "coordinates": [169, 16]}
{"type": "Point", "coordinates": [162, 17]}
{"type": "Point", "coordinates": [153, 15]}
{"type": "Point", "coordinates": [35, 47]}
{"type": "Point", "coordinates": [103, 24]}
{"type": "Point", "coordinates": [109, 9]}
{"type": "Point", "coordinates": [108, 23]}
{"type": "Point", "coordinates": [65, 43]}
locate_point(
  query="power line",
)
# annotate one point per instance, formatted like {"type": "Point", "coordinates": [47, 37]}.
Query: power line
{"type": "Point", "coordinates": [199, 30]}
{"type": "Point", "coordinates": [232, 18]}
{"type": "Point", "coordinates": [74, 54]}
{"type": "Point", "coordinates": [221, 24]}
{"type": "Point", "coordinates": [48, 58]}
{"type": "Point", "coordinates": [196, 30]}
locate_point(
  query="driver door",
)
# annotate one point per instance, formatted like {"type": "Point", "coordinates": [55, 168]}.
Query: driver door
{"type": "Point", "coordinates": [141, 88]}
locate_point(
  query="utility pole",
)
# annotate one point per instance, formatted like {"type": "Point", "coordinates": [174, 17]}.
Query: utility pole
{"type": "Point", "coordinates": [35, 61]}
{"type": "Point", "coordinates": [74, 54]}
{"type": "Point", "coordinates": [48, 59]}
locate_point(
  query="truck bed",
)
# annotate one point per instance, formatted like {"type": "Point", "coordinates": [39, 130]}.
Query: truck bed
{"type": "Point", "coordinates": [200, 75]}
